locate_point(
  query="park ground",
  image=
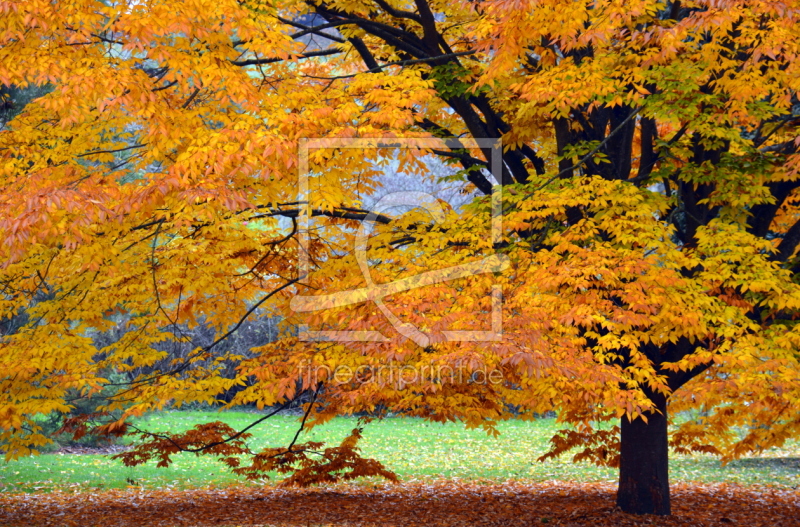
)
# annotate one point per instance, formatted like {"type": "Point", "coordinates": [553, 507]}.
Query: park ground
{"type": "Point", "coordinates": [450, 476]}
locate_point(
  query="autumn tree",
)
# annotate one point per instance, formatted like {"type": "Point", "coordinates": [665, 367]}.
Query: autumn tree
{"type": "Point", "coordinates": [647, 189]}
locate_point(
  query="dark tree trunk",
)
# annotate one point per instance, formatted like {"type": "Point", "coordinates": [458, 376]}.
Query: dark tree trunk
{"type": "Point", "coordinates": [644, 463]}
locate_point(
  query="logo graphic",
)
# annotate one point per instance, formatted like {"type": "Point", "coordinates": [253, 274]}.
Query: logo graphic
{"type": "Point", "coordinates": [375, 293]}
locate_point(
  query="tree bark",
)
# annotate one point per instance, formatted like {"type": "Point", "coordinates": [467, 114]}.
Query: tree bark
{"type": "Point", "coordinates": [644, 463]}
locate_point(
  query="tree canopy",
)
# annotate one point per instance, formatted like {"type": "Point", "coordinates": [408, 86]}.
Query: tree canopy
{"type": "Point", "coordinates": [646, 199]}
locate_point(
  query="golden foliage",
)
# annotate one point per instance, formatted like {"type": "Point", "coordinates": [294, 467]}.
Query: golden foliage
{"type": "Point", "coordinates": [649, 226]}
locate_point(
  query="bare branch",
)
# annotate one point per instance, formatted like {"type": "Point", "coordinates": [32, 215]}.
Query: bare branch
{"type": "Point", "coordinates": [96, 152]}
{"type": "Point", "coordinates": [271, 60]}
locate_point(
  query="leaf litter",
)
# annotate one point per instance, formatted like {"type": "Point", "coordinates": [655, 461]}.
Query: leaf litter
{"type": "Point", "coordinates": [414, 503]}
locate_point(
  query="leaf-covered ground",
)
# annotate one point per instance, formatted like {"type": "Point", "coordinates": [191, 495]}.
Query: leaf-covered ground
{"type": "Point", "coordinates": [452, 476]}
{"type": "Point", "coordinates": [441, 503]}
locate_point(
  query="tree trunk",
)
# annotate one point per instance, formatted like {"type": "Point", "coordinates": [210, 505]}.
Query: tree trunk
{"type": "Point", "coordinates": [644, 463]}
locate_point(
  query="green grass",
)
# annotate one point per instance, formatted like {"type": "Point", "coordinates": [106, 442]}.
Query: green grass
{"type": "Point", "coordinates": [411, 447]}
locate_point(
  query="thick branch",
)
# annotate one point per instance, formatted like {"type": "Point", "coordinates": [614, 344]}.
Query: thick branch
{"type": "Point", "coordinates": [399, 13]}
{"type": "Point", "coordinates": [789, 243]}
{"type": "Point", "coordinates": [399, 39]}
{"type": "Point", "coordinates": [588, 156]}
{"type": "Point", "coordinates": [471, 164]}
{"type": "Point", "coordinates": [366, 55]}
{"type": "Point", "coordinates": [764, 213]}
{"type": "Point", "coordinates": [428, 25]}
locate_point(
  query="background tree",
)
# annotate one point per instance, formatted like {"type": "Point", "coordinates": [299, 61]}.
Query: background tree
{"type": "Point", "coordinates": [13, 99]}
{"type": "Point", "coordinates": [649, 183]}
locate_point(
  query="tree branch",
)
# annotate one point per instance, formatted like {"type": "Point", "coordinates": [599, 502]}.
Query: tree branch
{"type": "Point", "coordinates": [588, 156]}
{"type": "Point", "coordinates": [316, 30]}
{"type": "Point", "coordinates": [96, 152]}
{"type": "Point", "coordinates": [271, 60]}
{"type": "Point", "coordinates": [399, 13]}
{"type": "Point", "coordinates": [342, 212]}
{"type": "Point", "coordinates": [789, 243]}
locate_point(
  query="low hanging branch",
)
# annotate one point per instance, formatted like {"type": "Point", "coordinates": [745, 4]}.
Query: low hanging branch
{"type": "Point", "coordinates": [333, 464]}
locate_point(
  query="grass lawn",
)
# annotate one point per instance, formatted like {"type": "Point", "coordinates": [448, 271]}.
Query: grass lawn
{"type": "Point", "coordinates": [414, 449]}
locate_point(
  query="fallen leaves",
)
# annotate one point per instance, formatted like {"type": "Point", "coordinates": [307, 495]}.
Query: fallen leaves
{"type": "Point", "coordinates": [441, 503]}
